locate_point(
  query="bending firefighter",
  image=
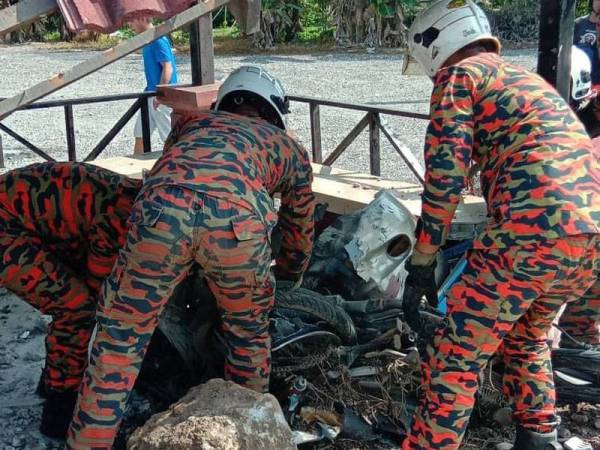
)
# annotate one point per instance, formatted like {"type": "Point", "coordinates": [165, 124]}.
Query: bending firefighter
{"type": "Point", "coordinates": [540, 178]}
{"type": "Point", "coordinates": [207, 201]}
{"type": "Point", "coordinates": [61, 226]}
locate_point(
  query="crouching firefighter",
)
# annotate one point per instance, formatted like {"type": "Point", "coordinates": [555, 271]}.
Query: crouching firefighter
{"type": "Point", "coordinates": [61, 226]}
{"type": "Point", "coordinates": [540, 179]}
{"type": "Point", "coordinates": [207, 201]}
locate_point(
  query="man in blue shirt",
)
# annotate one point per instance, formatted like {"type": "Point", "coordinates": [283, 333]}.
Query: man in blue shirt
{"type": "Point", "coordinates": [160, 68]}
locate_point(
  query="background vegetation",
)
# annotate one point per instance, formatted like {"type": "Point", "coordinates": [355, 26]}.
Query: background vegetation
{"type": "Point", "coordinates": [346, 23]}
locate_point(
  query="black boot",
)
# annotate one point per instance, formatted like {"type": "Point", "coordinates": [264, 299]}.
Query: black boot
{"type": "Point", "coordinates": [57, 413]}
{"type": "Point", "coordinates": [530, 440]}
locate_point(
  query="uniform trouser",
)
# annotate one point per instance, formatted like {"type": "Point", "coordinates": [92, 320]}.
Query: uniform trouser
{"type": "Point", "coordinates": [581, 318]}
{"type": "Point", "coordinates": [39, 276]}
{"type": "Point", "coordinates": [171, 229]}
{"type": "Point", "coordinates": [510, 296]}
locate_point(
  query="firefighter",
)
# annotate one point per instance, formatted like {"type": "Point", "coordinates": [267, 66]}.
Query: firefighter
{"type": "Point", "coordinates": [207, 201]}
{"type": "Point", "coordinates": [540, 179]}
{"type": "Point", "coordinates": [61, 226]}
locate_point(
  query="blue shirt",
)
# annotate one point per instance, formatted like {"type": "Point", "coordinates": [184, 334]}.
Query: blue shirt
{"type": "Point", "coordinates": [155, 54]}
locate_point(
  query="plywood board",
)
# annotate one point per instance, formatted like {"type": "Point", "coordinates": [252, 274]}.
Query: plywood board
{"type": "Point", "coordinates": [344, 191]}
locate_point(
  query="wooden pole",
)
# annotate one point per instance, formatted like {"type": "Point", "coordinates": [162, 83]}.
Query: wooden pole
{"type": "Point", "coordinates": [202, 51]}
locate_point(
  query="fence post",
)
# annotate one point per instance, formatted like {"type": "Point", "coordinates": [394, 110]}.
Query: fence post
{"type": "Point", "coordinates": [1, 154]}
{"type": "Point", "coordinates": [70, 127]}
{"type": "Point", "coordinates": [315, 132]}
{"type": "Point", "coordinates": [374, 145]}
{"type": "Point", "coordinates": [145, 124]}
{"type": "Point", "coordinates": [202, 51]}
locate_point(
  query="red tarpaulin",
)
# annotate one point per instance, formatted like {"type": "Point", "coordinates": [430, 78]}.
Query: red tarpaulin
{"type": "Point", "coordinates": [107, 16]}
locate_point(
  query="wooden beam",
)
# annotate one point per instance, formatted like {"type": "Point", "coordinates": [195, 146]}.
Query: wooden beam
{"type": "Point", "coordinates": [188, 98]}
{"type": "Point", "coordinates": [202, 52]}
{"type": "Point", "coordinates": [344, 191]}
{"type": "Point", "coordinates": [24, 12]}
{"type": "Point", "coordinates": [111, 55]}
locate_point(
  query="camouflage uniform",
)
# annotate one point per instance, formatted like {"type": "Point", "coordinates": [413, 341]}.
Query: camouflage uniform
{"type": "Point", "coordinates": [581, 318]}
{"type": "Point", "coordinates": [207, 201]}
{"type": "Point", "coordinates": [540, 179]}
{"type": "Point", "coordinates": [61, 226]}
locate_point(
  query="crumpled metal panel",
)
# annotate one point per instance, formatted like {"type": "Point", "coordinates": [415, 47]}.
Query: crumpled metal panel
{"type": "Point", "coordinates": [382, 222]}
{"type": "Point", "coordinates": [107, 16]}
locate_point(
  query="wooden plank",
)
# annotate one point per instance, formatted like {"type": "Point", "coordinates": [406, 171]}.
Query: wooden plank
{"type": "Point", "coordinates": [343, 191]}
{"type": "Point", "coordinates": [111, 55]}
{"type": "Point", "coordinates": [24, 12]}
{"type": "Point", "coordinates": [188, 98]}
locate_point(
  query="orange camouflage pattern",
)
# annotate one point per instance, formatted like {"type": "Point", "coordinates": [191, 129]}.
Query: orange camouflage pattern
{"type": "Point", "coordinates": [541, 182]}
{"type": "Point", "coordinates": [539, 171]}
{"type": "Point", "coordinates": [581, 319]}
{"type": "Point", "coordinates": [207, 201]}
{"type": "Point", "coordinates": [61, 226]}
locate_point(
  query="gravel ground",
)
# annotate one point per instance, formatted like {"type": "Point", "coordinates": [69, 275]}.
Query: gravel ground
{"type": "Point", "coordinates": [372, 79]}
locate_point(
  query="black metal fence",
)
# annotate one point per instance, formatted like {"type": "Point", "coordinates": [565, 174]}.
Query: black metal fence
{"type": "Point", "coordinates": [372, 119]}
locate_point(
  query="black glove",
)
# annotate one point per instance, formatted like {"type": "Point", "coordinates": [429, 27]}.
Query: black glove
{"type": "Point", "coordinates": [419, 282]}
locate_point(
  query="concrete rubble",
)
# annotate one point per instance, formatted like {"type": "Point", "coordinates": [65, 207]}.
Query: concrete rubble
{"type": "Point", "coordinates": [219, 415]}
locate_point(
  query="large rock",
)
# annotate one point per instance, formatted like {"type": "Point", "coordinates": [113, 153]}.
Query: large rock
{"type": "Point", "coordinates": [219, 415]}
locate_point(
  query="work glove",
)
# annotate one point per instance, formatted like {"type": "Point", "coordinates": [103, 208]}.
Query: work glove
{"type": "Point", "coordinates": [419, 282]}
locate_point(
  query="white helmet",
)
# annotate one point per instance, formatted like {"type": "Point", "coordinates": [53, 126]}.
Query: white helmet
{"type": "Point", "coordinates": [581, 76]}
{"type": "Point", "coordinates": [250, 84]}
{"type": "Point", "coordinates": [444, 28]}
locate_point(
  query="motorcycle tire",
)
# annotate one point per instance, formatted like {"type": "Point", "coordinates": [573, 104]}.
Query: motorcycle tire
{"type": "Point", "coordinates": [314, 305]}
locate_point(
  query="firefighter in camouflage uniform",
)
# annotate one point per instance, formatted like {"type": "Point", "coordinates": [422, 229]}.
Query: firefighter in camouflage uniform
{"type": "Point", "coordinates": [61, 226]}
{"type": "Point", "coordinates": [207, 201]}
{"type": "Point", "coordinates": [540, 179]}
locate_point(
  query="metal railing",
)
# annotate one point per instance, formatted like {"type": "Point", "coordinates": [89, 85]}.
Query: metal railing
{"type": "Point", "coordinates": [373, 119]}
{"type": "Point", "coordinates": [141, 103]}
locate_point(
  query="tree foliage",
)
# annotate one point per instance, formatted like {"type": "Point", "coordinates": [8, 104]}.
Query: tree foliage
{"type": "Point", "coordinates": [351, 22]}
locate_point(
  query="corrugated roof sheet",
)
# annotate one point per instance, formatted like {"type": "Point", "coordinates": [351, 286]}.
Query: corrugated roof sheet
{"type": "Point", "coordinates": [107, 16]}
